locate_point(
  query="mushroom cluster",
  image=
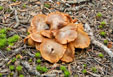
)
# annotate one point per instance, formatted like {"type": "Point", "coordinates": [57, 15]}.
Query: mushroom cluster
{"type": "Point", "coordinates": [56, 36]}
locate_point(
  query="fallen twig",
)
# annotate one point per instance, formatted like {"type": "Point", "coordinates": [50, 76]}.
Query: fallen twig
{"type": "Point", "coordinates": [97, 43]}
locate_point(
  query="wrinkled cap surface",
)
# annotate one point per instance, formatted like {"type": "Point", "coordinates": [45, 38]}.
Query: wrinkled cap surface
{"type": "Point", "coordinates": [69, 53]}
{"type": "Point", "coordinates": [38, 23]}
{"type": "Point", "coordinates": [51, 50]}
{"type": "Point", "coordinates": [57, 20]}
{"type": "Point", "coordinates": [82, 40]}
{"type": "Point", "coordinates": [66, 34]}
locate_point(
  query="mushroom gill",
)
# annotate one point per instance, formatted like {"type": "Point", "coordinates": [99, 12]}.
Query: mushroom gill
{"type": "Point", "coordinates": [56, 20]}
{"type": "Point", "coordinates": [66, 34]}
{"type": "Point", "coordinates": [69, 53]}
{"type": "Point", "coordinates": [51, 50]}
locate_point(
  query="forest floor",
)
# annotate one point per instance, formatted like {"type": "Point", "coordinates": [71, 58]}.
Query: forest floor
{"type": "Point", "coordinates": [15, 17]}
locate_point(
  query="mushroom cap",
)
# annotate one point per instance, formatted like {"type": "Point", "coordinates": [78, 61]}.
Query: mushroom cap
{"type": "Point", "coordinates": [51, 50]}
{"type": "Point", "coordinates": [80, 26]}
{"type": "Point", "coordinates": [36, 37]}
{"type": "Point", "coordinates": [37, 45]}
{"type": "Point", "coordinates": [82, 40]}
{"type": "Point", "coordinates": [46, 33]}
{"type": "Point", "coordinates": [69, 53]}
{"type": "Point", "coordinates": [38, 23]}
{"type": "Point", "coordinates": [66, 34]}
{"type": "Point", "coordinates": [56, 20]}
{"type": "Point", "coordinates": [30, 29]}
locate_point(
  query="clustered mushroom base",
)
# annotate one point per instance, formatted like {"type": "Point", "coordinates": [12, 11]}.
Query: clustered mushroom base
{"type": "Point", "coordinates": [56, 36]}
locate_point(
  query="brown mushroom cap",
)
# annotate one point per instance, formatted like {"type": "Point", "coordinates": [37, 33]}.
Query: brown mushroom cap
{"type": "Point", "coordinates": [36, 37]}
{"type": "Point", "coordinates": [37, 45]}
{"type": "Point", "coordinates": [38, 23]}
{"type": "Point", "coordinates": [46, 33]}
{"type": "Point", "coordinates": [66, 34]}
{"type": "Point", "coordinates": [80, 26]}
{"type": "Point", "coordinates": [51, 50]}
{"type": "Point", "coordinates": [69, 53]}
{"type": "Point", "coordinates": [56, 20]}
{"type": "Point", "coordinates": [82, 40]}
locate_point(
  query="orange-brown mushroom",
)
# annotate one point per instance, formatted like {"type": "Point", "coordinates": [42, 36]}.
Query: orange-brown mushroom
{"type": "Point", "coordinates": [56, 20]}
{"type": "Point", "coordinates": [37, 45]}
{"type": "Point", "coordinates": [80, 26]}
{"type": "Point", "coordinates": [38, 23]}
{"type": "Point", "coordinates": [37, 37]}
{"type": "Point", "coordinates": [46, 33]}
{"type": "Point", "coordinates": [82, 40]}
{"type": "Point", "coordinates": [69, 53]}
{"type": "Point", "coordinates": [66, 34]}
{"type": "Point", "coordinates": [51, 50]}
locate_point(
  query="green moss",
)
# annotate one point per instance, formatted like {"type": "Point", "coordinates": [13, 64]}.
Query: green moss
{"type": "Point", "coordinates": [21, 75]}
{"type": "Point", "coordinates": [44, 69]}
{"type": "Point", "coordinates": [24, 5]}
{"type": "Point", "coordinates": [13, 60]}
{"type": "Point", "coordinates": [94, 69]}
{"type": "Point", "coordinates": [8, 49]}
{"type": "Point", "coordinates": [99, 14]}
{"type": "Point", "coordinates": [3, 31]}
{"type": "Point", "coordinates": [38, 61]}
{"type": "Point", "coordinates": [66, 73]}
{"type": "Point", "coordinates": [19, 68]}
{"type": "Point", "coordinates": [11, 67]}
{"type": "Point", "coordinates": [105, 41]}
{"type": "Point", "coordinates": [14, 0]}
{"type": "Point", "coordinates": [47, 5]}
{"type": "Point", "coordinates": [38, 68]}
{"type": "Point", "coordinates": [100, 26]}
{"type": "Point", "coordinates": [0, 74]}
{"type": "Point", "coordinates": [102, 33]}
{"type": "Point", "coordinates": [13, 39]}
{"type": "Point", "coordinates": [63, 68]}
{"type": "Point", "coordinates": [8, 29]}
{"type": "Point", "coordinates": [1, 8]}
{"type": "Point", "coordinates": [84, 71]}
{"type": "Point", "coordinates": [103, 23]}
{"type": "Point", "coordinates": [30, 60]}
{"type": "Point", "coordinates": [3, 43]}
{"type": "Point", "coordinates": [101, 55]}
{"type": "Point", "coordinates": [11, 74]}
{"type": "Point", "coordinates": [84, 65]}
{"type": "Point", "coordinates": [2, 36]}
{"type": "Point", "coordinates": [37, 55]}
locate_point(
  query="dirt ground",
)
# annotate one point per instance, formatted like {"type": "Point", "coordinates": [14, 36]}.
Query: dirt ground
{"type": "Point", "coordinates": [17, 15]}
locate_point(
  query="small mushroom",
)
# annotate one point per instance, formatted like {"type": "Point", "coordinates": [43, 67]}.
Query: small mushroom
{"type": "Point", "coordinates": [57, 20]}
{"type": "Point", "coordinates": [36, 37]}
{"type": "Point", "coordinates": [51, 50]}
{"type": "Point", "coordinates": [38, 23]}
{"type": "Point", "coordinates": [69, 53]}
{"type": "Point", "coordinates": [82, 40]}
{"type": "Point", "coordinates": [46, 33]}
{"type": "Point", "coordinates": [66, 34]}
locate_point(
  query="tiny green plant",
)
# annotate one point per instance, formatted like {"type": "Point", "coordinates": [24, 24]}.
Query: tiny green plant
{"type": "Point", "coordinates": [100, 26]}
{"type": "Point", "coordinates": [13, 39]}
{"type": "Point", "coordinates": [84, 65]}
{"type": "Point", "coordinates": [100, 55]}
{"type": "Point", "coordinates": [24, 5]}
{"type": "Point", "coordinates": [8, 49]}
{"type": "Point", "coordinates": [37, 55]}
{"type": "Point", "coordinates": [19, 68]}
{"type": "Point", "coordinates": [47, 5]}
{"type": "Point", "coordinates": [11, 74]}
{"type": "Point", "coordinates": [3, 31]}
{"type": "Point", "coordinates": [84, 71]}
{"type": "Point", "coordinates": [94, 69]}
{"type": "Point", "coordinates": [105, 41]}
{"type": "Point", "coordinates": [38, 61]}
{"type": "Point", "coordinates": [1, 8]}
{"type": "Point", "coordinates": [99, 14]}
{"type": "Point", "coordinates": [14, 0]}
{"type": "Point", "coordinates": [66, 73]}
{"type": "Point", "coordinates": [63, 68]}
{"type": "Point", "coordinates": [102, 33]}
{"type": "Point", "coordinates": [30, 60]}
{"type": "Point", "coordinates": [11, 67]}
{"type": "Point", "coordinates": [2, 36]}
{"type": "Point", "coordinates": [21, 75]}
{"type": "Point", "coordinates": [44, 69]}
{"type": "Point", "coordinates": [38, 68]}
{"type": "Point", "coordinates": [0, 74]}
{"type": "Point", "coordinates": [13, 60]}
{"type": "Point", "coordinates": [103, 23]}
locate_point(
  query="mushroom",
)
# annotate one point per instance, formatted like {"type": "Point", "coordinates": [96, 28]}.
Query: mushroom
{"type": "Point", "coordinates": [82, 40]}
{"type": "Point", "coordinates": [38, 23]}
{"type": "Point", "coordinates": [51, 50]}
{"type": "Point", "coordinates": [37, 45]}
{"type": "Point", "coordinates": [69, 53]}
{"type": "Point", "coordinates": [46, 33]}
{"type": "Point", "coordinates": [66, 34]}
{"type": "Point", "coordinates": [57, 20]}
{"type": "Point", "coordinates": [37, 37]}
